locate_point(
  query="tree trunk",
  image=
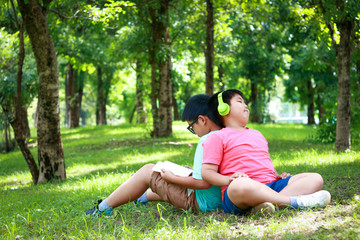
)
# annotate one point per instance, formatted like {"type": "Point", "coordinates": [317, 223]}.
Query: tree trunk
{"type": "Point", "coordinates": [162, 87]}
{"type": "Point", "coordinates": [311, 105]}
{"type": "Point", "coordinates": [69, 82]}
{"type": "Point", "coordinates": [140, 95]}
{"type": "Point", "coordinates": [79, 93]}
{"type": "Point", "coordinates": [20, 137]}
{"type": "Point", "coordinates": [22, 143]}
{"type": "Point", "coordinates": [255, 111]}
{"type": "Point", "coordinates": [221, 75]}
{"type": "Point", "coordinates": [154, 93]}
{"type": "Point", "coordinates": [83, 118]}
{"type": "Point", "coordinates": [73, 92]}
{"type": "Point", "coordinates": [100, 104]}
{"type": "Point", "coordinates": [21, 111]}
{"type": "Point", "coordinates": [321, 108]}
{"type": "Point", "coordinates": [36, 115]}
{"type": "Point", "coordinates": [25, 121]}
{"type": "Point", "coordinates": [175, 109]}
{"type": "Point", "coordinates": [209, 51]}
{"type": "Point", "coordinates": [357, 85]}
{"type": "Point", "coordinates": [165, 98]}
{"type": "Point", "coordinates": [21, 124]}
{"type": "Point", "coordinates": [132, 113]}
{"type": "Point", "coordinates": [50, 151]}
{"type": "Point", "coordinates": [8, 144]}
{"type": "Point", "coordinates": [343, 115]}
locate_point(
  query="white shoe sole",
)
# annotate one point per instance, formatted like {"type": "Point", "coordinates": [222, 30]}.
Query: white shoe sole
{"type": "Point", "coordinates": [265, 207]}
{"type": "Point", "coordinates": [327, 197]}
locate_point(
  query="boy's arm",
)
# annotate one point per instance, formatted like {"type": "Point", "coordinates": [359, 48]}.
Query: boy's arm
{"type": "Point", "coordinates": [188, 182]}
{"type": "Point", "coordinates": [209, 173]}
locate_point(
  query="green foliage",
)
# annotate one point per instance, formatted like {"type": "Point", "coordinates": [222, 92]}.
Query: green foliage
{"type": "Point", "coordinates": [101, 158]}
{"type": "Point", "coordinates": [251, 34]}
{"type": "Point", "coordinates": [8, 70]}
{"type": "Point", "coordinates": [255, 42]}
{"type": "Point", "coordinates": [326, 133]}
{"type": "Point", "coordinates": [311, 65]}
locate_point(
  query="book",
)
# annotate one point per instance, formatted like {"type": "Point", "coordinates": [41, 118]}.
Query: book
{"type": "Point", "coordinates": [172, 167]}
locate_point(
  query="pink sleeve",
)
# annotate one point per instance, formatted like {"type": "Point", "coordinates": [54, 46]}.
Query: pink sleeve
{"type": "Point", "coordinates": [213, 150]}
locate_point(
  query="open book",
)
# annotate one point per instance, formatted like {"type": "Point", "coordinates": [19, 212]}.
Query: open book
{"type": "Point", "coordinates": [172, 167]}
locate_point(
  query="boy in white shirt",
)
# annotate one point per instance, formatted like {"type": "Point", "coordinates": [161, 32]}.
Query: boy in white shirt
{"type": "Point", "coordinates": [182, 192]}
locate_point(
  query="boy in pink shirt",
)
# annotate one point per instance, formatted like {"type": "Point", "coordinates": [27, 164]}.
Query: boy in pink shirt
{"type": "Point", "coordinates": [236, 158]}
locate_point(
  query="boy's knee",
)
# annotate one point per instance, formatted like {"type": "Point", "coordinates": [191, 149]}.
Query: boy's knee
{"type": "Point", "coordinates": [146, 169]}
{"type": "Point", "coordinates": [318, 180]}
{"type": "Point", "coordinates": [148, 166]}
{"type": "Point", "coordinates": [240, 187]}
{"type": "Point", "coordinates": [315, 180]}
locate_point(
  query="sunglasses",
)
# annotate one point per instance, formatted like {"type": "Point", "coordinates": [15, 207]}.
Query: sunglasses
{"type": "Point", "coordinates": [190, 127]}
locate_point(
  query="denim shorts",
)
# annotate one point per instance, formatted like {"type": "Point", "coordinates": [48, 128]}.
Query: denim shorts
{"type": "Point", "coordinates": [229, 207]}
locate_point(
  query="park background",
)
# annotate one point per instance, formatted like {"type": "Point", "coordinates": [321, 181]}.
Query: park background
{"type": "Point", "coordinates": [92, 90]}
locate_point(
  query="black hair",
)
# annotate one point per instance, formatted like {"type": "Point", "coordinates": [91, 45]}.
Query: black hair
{"type": "Point", "coordinates": [198, 105]}
{"type": "Point", "coordinates": [214, 103]}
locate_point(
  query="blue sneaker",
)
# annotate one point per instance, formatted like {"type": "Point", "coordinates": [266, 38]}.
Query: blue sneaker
{"type": "Point", "coordinates": [142, 200]}
{"type": "Point", "coordinates": [139, 202]}
{"type": "Point", "coordinates": [96, 212]}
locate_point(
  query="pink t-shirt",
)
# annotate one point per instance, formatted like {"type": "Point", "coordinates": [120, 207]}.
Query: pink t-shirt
{"type": "Point", "coordinates": [240, 151]}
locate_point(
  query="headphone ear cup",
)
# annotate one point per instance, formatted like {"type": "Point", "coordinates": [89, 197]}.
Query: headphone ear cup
{"type": "Point", "coordinates": [223, 108]}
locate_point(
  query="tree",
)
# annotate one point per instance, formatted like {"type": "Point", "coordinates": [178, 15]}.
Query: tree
{"type": "Point", "coordinates": [73, 95]}
{"type": "Point", "coordinates": [68, 34]}
{"type": "Point", "coordinates": [85, 37]}
{"type": "Point", "coordinates": [160, 61]}
{"type": "Point", "coordinates": [257, 50]}
{"type": "Point", "coordinates": [12, 102]}
{"type": "Point", "coordinates": [140, 94]}
{"type": "Point", "coordinates": [311, 62]}
{"type": "Point", "coordinates": [50, 151]}
{"type": "Point", "coordinates": [104, 76]}
{"type": "Point", "coordinates": [356, 82]}
{"type": "Point", "coordinates": [342, 14]}
{"type": "Point", "coordinates": [7, 130]}
{"type": "Point", "coordinates": [209, 50]}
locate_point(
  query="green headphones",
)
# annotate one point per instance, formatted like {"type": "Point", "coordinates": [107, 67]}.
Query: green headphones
{"type": "Point", "coordinates": [223, 108]}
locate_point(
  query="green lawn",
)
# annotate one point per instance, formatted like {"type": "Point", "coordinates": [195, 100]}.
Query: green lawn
{"type": "Point", "coordinates": [98, 159]}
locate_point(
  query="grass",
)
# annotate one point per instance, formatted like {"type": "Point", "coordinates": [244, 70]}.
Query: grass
{"type": "Point", "coordinates": [98, 159]}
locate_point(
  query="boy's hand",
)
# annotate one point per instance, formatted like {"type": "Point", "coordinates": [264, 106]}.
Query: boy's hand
{"type": "Point", "coordinates": [167, 175]}
{"type": "Point", "coordinates": [283, 175]}
{"type": "Point", "coordinates": [237, 175]}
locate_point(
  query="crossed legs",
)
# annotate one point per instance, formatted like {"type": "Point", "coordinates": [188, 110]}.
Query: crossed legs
{"type": "Point", "coordinates": [303, 184]}
{"type": "Point", "coordinates": [243, 192]}
{"type": "Point", "coordinates": [246, 193]}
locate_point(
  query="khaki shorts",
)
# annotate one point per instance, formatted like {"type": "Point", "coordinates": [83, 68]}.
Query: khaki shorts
{"type": "Point", "coordinates": [174, 194]}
